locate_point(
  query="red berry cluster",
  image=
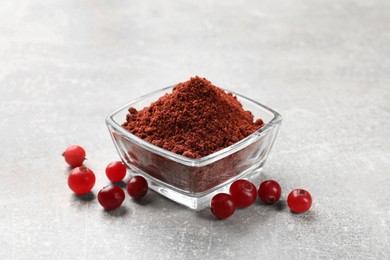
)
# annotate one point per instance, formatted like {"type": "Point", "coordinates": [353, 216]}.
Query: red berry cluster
{"type": "Point", "coordinates": [82, 179]}
{"type": "Point", "coordinates": [243, 193]}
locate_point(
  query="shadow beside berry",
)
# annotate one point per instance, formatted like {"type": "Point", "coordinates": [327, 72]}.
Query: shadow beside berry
{"type": "Point", "coordinates": [119, 212]}
{"type": "Point", "coordinates": [85, 197]}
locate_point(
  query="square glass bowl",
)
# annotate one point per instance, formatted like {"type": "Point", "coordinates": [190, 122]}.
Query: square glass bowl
{"type": "Point", "coordinates": [193, 182]}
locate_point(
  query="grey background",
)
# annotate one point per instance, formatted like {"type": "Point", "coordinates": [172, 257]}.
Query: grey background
{"type": "Point", "coordinates": [324, 65]}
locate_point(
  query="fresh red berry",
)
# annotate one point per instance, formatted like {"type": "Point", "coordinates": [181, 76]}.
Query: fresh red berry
{"type": "Point", "coordinates": [244, 193]}
{"type": "Point", "coordinates": [223, 205]}
{"type": "Point", "coordinates": [74, 155]}
{"type": "Point", "coordinates": [111, 197]}
{"type": "Point", "coordinates": [116, 171]}
{"type": "Point", "coordinates": [299, 200]}
{"type": "Point", "coordinates": [137, 187]}
{"type": "Point", "coordinates": [81, 180]}
{"type": "Point", "coordinates": [269, 191]}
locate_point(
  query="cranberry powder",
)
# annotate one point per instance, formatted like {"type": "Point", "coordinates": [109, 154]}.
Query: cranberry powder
{"type": "Point", "coordinates": [195, 120]}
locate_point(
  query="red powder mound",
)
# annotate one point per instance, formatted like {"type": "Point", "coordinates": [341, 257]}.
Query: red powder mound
{"type": "Point", "coordinates": [195, 120]}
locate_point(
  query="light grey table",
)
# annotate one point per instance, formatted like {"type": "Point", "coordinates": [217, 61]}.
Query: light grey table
{"type": "Point", "coordinates": [324, 65]}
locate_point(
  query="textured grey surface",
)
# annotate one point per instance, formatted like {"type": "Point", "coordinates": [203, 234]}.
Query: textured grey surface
{"type": "Point", "coordinates": [324, 65]}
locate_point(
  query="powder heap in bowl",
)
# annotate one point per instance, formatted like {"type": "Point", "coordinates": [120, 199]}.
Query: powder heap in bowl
{"type": "Point", "coordinates": [195, 120]}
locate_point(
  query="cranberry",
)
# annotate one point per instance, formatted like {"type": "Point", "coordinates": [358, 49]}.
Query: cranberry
{"type": "Point", "coordinates": [81, 180]}
{"type": "Point", "coordinates": [116, 171]}
{"type": "Point", "coordinates": [223, 205]}
{"type": "Point", "coordinates": [111, 197]}
{"type": "Point", "coordinates": [74, 155]}
{"type": "Point", "coordinates": [244, 193]}
{"type": "Point", "coordinates": [269, 191]}
{"type": "Point", "coordinates": [137, 187]}
{"type": "Point", "coordinates": [299, 200]}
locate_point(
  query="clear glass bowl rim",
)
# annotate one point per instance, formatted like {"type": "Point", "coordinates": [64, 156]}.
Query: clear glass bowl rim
{"type": "Point", "coordinates": [276, 120]}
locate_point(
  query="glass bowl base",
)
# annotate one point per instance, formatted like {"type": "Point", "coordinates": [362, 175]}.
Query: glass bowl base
{"type": "Point", "coordinates": [196, 201]}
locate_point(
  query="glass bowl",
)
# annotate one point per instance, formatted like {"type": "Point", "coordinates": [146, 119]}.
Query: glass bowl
{"type": "Point", "coordinates": [193, 182]}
